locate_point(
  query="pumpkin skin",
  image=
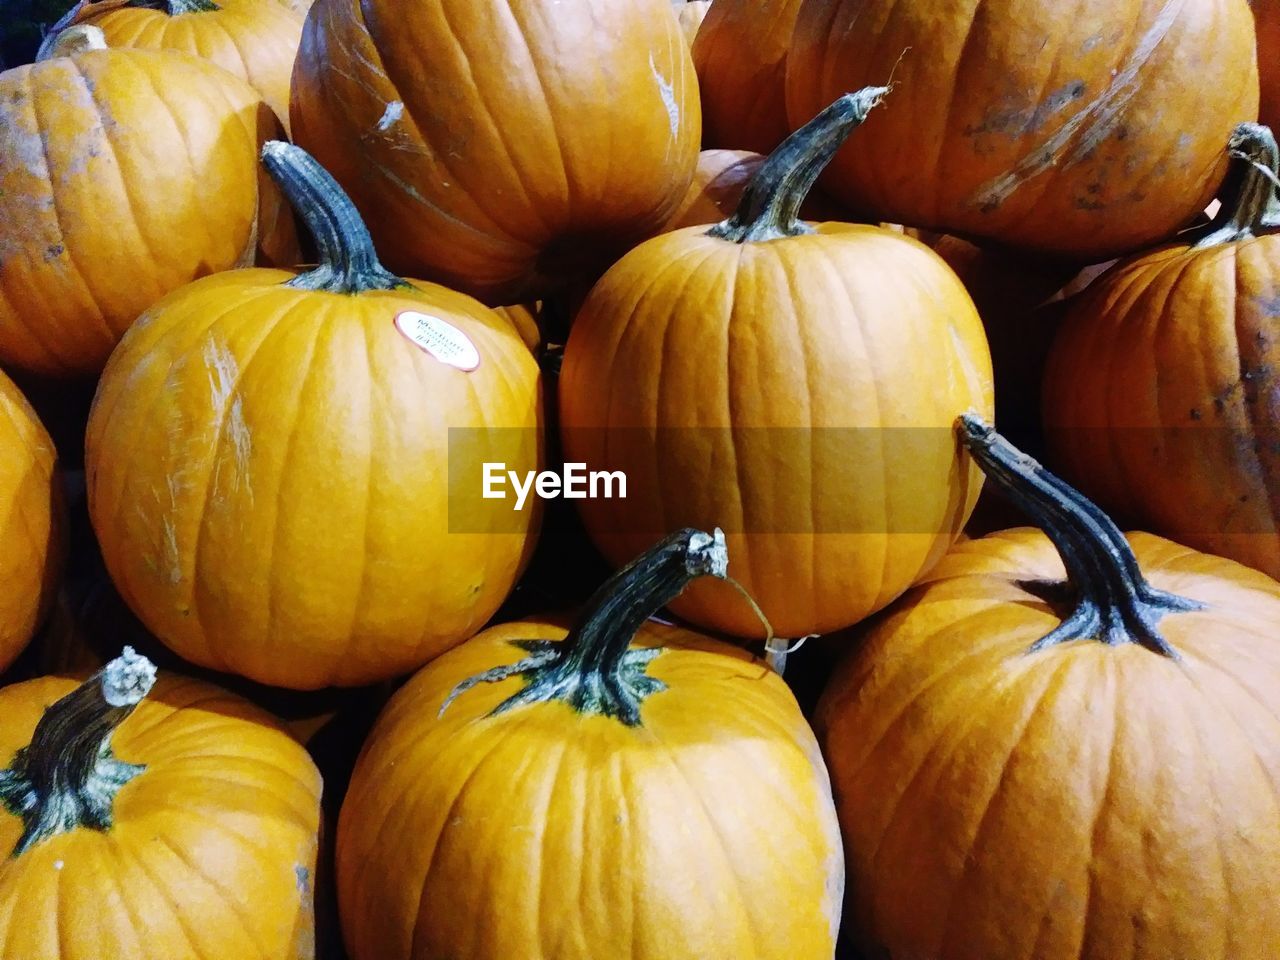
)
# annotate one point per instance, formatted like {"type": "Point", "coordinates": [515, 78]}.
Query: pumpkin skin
{"type": "Point", "coordinates": [741, 57]}
{"type": "Point", "coordinates": [33, 530]}
{"type": "Point", "coordinates": [1083, 802]}
{"type": "Point", "coordinates": [124, 174]}
{"type": "Point", "coordinates": [526, 174]}
{"type": "Point", "coordinates": [256, 41]}
{"type": "Point", "coordinates": [691, 15]}
{"type": "Point", "coordinates": [1067, 129]}
{"type": "Point", "coordinates": [790, 452]}
{"type": "Point", "coordinates": [1194, 456]}
{"type": "Point", "coordinates": [1266, 14]}
{"type": "Point", "coordinates": [211, 454]}
{"type": "Point", "coordinates": [552, 832]}
{"type": "Point", "coordinates": [211, 851]}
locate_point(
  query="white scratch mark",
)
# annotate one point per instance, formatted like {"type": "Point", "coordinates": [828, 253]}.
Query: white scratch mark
{"type": "Point", "coordinates": [392, 115]}
{"type": "Point", "coordinates": [668, 97]}
{"type": "Point", "coordinates": [173, 559]}
{"type": "Point", "coordinates": [229, 412]}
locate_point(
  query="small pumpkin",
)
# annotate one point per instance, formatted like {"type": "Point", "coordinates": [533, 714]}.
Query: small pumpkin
{"type": "Point", "coordinates": [256, 41]}
{"type": "Point", "coordinates": [1162, 390]}
{"type": "Point", "coordinates": [505, 149]}
{"type": "Point", "coordinates": [741, 375]}
{"type": "Point", "coordinates": [1082, 130]}
{"type": "Point", "coordinates": [1037, 768]}
{"type": "Point", "coordinates": [618, 789]}
{"type": "Point", "coordinates": [33, 526]}
{"type": "Point", "coordinates": [124, 174]}
{"type": "Point", "coordinates": [273, 459]}
{"type": "Point", "coordinates": [183, 825]}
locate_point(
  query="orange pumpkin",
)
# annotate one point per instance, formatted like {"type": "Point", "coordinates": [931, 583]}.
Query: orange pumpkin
{"type": "Point", "coordinates": [181, 826]}
{"type": "Point", "coordinates": [33, 525]}
{"type": "Point", "coordinates": [273, 459]}
{"type": "Point", "coordinates": [1084, 130]}
{"type": "Point", "coordinates": [1034, 768]}
{"type": "Point", "coordinates": [764, 375]}
{"type": "Point", "coordinates": [1266, 15]}
{"type": "Point", "coordinates": [502, 148]}
{"type": "Point", "coordinates": [124, 174]}
{"type": "Point", "coordinates": [256, 41]}
{"type": "Point", "coordinates": [1162, 391]}
{"type": "Point", "coordinates": [741, 57]}
{"type": "Point", "coordinates": [623, 789]}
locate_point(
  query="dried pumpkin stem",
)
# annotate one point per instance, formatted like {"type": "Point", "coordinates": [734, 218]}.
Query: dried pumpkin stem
{"type": "Point", "coordinates": [71, 41]}
{"type": "Point", "coordinates": [178, 7]}
{"type": "Point", "coordinates": [1255, 207]}
{"type": "Point", "coordinates": [67, 777]}
{"type": "Point", "coordinates": [770, 206]}
{"type": "Point", "coordinates": [1114, 603]}
{"type": "Point", "coordinates": [348, 262]}
{"type": "Point", "coordinates": [594, 669]}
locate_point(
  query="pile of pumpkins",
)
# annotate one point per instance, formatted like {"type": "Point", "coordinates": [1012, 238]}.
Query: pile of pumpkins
{"type": "Point", "coordinates": [784, 265]}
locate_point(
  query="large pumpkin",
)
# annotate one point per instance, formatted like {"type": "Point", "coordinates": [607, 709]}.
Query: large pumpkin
{"type": "Point", "coordinates": [1162, 391]}
{"type": "Point", "coordinates": [792, 383]}
{"type": "Point", "coordinates": [276, 462]}
{"type": "Point", "coordinates": [181, 826]}
{"type": "Point", "coordinates": [32, 522]}
{"type": "Point", "coordinates": [622, 790]}
{"type": "Point", "coordinates": [1033, 768]}
{"type": "Point", "coordinates": [254, 39]}
{"type": "Point", "coordinates": [124, 174]}
{"type": "Point", "coordinates": [1086, 130]}
{"type": "Point", "coordinates": [504, 148]}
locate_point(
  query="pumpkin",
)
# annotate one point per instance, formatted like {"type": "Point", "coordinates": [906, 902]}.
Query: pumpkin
{"type": "Point", "coordinates": [1161, 391]}
{"type": "Point", "coordinates": [691, 15]}
{"type": "Point", "coordinates": [254, 40]}
{"type": "Point", "coordinates": [272, 461]}
{"type": "Point", "coordinates": [741, 56]}
{"type": "Point", "coordinates": [1266, 15]}
{"type": "Point", "coordinates": [1085, 131]}
{"type": "Point", "coordinates": [622, 789]}
{"type": "Point", "coordinates": [1037, 768]}
{"type": "Point", "coordinates": [764, 375]}
{"type": "Point", "coordinates": [124, 174]}
{"type": "Point", "coordinates": [182, 826]}
{"type": "Point", "coordinates": [32, 523]}
{"type": "Point", "coordinates": [526, 319]}
{"type": "Point", "coordinates": [504, 149]}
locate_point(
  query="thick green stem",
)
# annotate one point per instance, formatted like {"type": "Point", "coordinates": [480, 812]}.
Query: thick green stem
{"type": "Point", "coordinates": [1255, 207]}
{"type": "Point", "coordinates": [770, 206]}
{"type": "Point", "coordinates": [594, 669]}
{"type": "Point", "coordinates": [348, 262]}
{"type": "Point", "coordinates": [66, 778]}
{"type": "Point", "coordinates": [1113, 602]}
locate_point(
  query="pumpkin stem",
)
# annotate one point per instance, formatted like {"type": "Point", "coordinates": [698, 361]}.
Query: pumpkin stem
{"type": "Point", "coordinates": [1255, 206]}
{"type": "Point", "coordinates": [67, 777]}
{"type": "Point", "coordinates": [594, 669]}
{"type": "Point", "coordinates": [348, 262]}
{"type": "Point", "coordinates": [71, 41]}
{"type": "Point", "coordinates": [179, 7]}
{"type": "Point", "coordinates": [770, 206]}
{"type": "Point", "coordinates": [1114, 603]}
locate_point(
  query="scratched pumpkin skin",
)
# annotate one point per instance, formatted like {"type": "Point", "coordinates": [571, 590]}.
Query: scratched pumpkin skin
{"type": "Point", "coordinates": [501, 147]}
{"type": "Point", "coordinates": [1088, 129]}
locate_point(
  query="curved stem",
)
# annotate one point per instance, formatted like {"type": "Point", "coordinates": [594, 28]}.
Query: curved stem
{"type": "Point", "coordinates": [1255, 206]}
{"type": "Point", "coordinates": [770, 205]}
{"type": "Point", "coordinates": [348, 262]}
{"type": "Point", "coordinates": [594, 669]}
{"type": "Point", "coordinates": [71, 41]}
{"type": "Point", "coordinates": [66, 777]}
{"type": "Point", "coordinates": [1114, 603]}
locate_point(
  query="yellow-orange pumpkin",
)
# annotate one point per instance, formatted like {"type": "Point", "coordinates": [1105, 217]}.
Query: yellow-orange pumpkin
{"type": "Point", "coordinates": [181, 826]}
{"type": "Point", "coordinates": [124, 174]}
{"type": "Point", "coordinates": [503, 147]}
{"type": "Point", "coordinates": [1033, 768]}
{"type": "Point", "coordinates": [273, 461]}
{"type": "Point", "coordinates": [622, 790]}
{"type": "Point", "coordinates": [791, 383]}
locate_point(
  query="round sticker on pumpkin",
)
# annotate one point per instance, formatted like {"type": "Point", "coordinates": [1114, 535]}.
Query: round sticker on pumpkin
{"type": "Point", "coordinates": [439, 338]}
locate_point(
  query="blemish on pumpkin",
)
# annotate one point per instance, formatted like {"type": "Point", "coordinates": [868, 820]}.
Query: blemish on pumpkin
{"type": "Point", "coordinates": [59, 864]}
{"type": "Point", "coordinates": [302, 878]}
{"type": "Point", "coordinates": [223, 373]}
{"type": "Point", "coordinates": [667, 90]}
{"type": "Point", "coordinates": [53, 251]}
{"type": "Point", "coordinates": [173, 559]}
{"type": "Point", "coordinates": [392, 115]}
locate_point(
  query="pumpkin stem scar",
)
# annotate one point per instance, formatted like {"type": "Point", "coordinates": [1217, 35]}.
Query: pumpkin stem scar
{"type": "Point", "coordinates": [1114, 603]}
{"type": "Point", "coordinates": [770, 206]}
{"type": "Point", "coordinates": [348, 262]}
{"type": "Point", "coordinates": [594, 669]}
{"type": "Point", "coordinates": [1255, 207]}
{"type": "Point", "coordinates": [67, 777]}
